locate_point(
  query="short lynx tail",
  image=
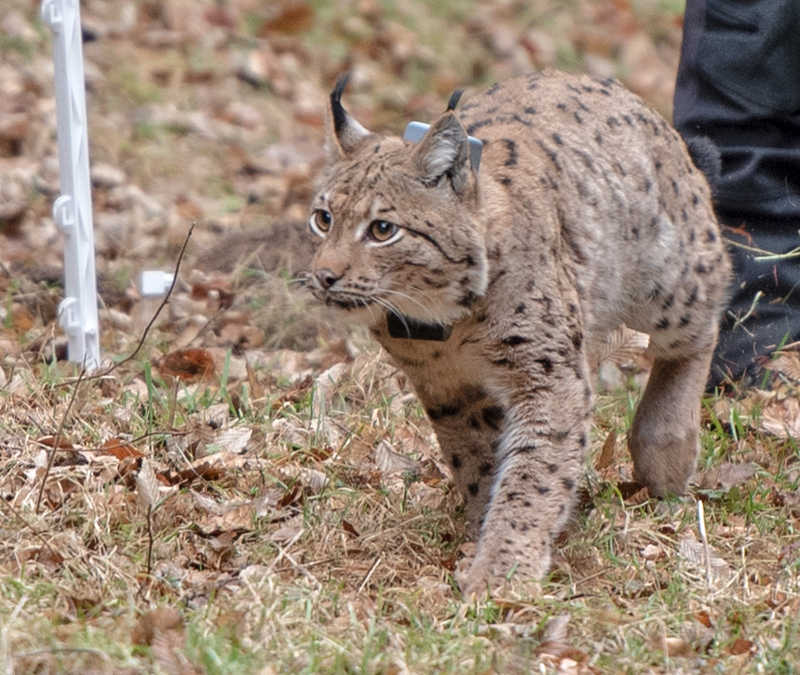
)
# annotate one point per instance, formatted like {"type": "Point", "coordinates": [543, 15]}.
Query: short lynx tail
{"type": "Point", "coordinates": [706, 157]}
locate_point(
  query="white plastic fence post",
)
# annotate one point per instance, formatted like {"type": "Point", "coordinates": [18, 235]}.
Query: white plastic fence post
{"type": "Point", "coordinates": [72, 211]}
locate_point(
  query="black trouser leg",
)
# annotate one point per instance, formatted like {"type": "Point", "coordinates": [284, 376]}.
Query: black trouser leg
{"type": "Point", "coordinates": [739, 85]}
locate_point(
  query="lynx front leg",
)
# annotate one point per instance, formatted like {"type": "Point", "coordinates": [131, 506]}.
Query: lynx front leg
{"type": "Point", "coordinates": [664, 437]}
{"type": "Point", "coordinates": [539, 463]}
{"type": "Point", "coordinates": [467, 441]}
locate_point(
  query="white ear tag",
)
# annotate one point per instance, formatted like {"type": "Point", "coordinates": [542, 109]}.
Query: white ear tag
{"type": "Point", "coordinates": [416, 130]}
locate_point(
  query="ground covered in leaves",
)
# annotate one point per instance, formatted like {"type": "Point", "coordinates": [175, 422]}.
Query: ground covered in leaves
{"type": "Point", "coordinates": [252, 487]}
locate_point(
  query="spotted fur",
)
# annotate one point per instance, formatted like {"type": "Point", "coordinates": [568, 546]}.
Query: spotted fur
{"type": "Point", "coordinates": [586, 212]}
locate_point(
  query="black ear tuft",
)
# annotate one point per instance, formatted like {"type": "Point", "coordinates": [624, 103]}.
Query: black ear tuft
{"type": "Point", "coordinates": [341, 83]}
{"type": "Point", "coordinates": [338, 111]}
{"type": "Point", "coordinates": [344, 132]}
{"type": "Point", "coordinates": [455, 97]}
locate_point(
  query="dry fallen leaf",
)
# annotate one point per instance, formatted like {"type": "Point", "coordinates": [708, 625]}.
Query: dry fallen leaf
{"type": "Point", "coordinates": [238, 518]}
{"type": "Point", "coordinates": [50, 441]}
{"type": "Point", "coordinates": [324, 388]}
{"type": "Point", "coordinates": [163, 630]}
{"type": "Point", "coordinates": [693, 552]}
{"type": "Point", "coordinates": [211, 467]}
{"type": "Point", "coordinates": [45, 555]}
{"type": "Point", "coordinates": [347, 527]}
{"type": "Point", "coordinates": [391, 462]}
{"type": "Point", "coordinates": [217, 287]}
{"type": "Point", "coordinates": [207, 504]}
{"type": "Point", "coordinates": [703, 617]}
{"type": "Point", "coordinates": [556, 629]}
{"type": "Point", "coordinates": [233, 440]}
{"type": "Point", "coordinates": [188, 364]}
{"type": "Point", "coordinates": [293, 16]}
{"type": "Point", "coordinates": [675, 646]}
{"type": "Point", "coordinates": [422, 494]}
{"type": "Point", "coordinates": [781, 417]}
{"type": "Point", "coordinates": [633, 494]}
{"type": "Point", "coordinates": [39, 467]}
{"type": "Point", "coordinates": [564, 657]}
{"type": "Point", "coordinates": [119, 449]}
{"type": "Point", "coordinates": [606, 457]}
{"type": "Point", "coordinates": [742, 646]}
{"type": "Point", "coordinates": [787, 363]}
{"type": "Point", "coordinates": [622, 346]}
{"type": "Point", "coordinates": [726, 475]}
{"type": "Point", "coordinates": [556, 651]}
{"type": "Point", "coordinates": [21, 319]}
{"type": "Point", "coordinates": [287, 532]}
{"type": "Point", "coordinates": [155, 621]}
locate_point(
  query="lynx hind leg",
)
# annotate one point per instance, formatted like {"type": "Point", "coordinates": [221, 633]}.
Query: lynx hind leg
{"type": "Point", "coordinates": [664, 438]}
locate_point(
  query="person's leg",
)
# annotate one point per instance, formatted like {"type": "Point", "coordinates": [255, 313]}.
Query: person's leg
{"type": "Point", "coordinates": [739, 85]}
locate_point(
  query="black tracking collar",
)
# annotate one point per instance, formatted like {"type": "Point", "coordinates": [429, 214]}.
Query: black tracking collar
{"type": "Point", "coordinates": [411, 329]}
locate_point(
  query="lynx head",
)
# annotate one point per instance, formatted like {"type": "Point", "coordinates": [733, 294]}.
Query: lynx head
{"type": "Point", "coordinates": [397, 223]}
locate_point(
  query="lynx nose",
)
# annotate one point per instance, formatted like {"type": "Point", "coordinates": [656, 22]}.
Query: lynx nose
{"type": "Point", "coordinates": [326, 277]}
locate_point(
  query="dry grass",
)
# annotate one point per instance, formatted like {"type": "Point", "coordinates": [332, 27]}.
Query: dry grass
{"type": "Point", "coordinates": [296, 517]}
{"type": "Point", "coordinates": [311, 530]}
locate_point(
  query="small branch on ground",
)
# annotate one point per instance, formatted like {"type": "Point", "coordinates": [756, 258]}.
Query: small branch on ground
{"type": "Point", "coordinates": [149, 540]}
{"type": "Point", "coordinates": [741, 320]}
{"type": "Point", "coordinates": [794, 253]}
{"type": "Point", "coordinates": [158, 311]}
{"type": "Point", "coordinates": [51, 457]}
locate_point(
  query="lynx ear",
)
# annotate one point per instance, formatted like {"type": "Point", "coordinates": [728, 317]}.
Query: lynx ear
{"type": "Point", "coordinates": [344, 132]}
{"type": "Point", "coordinates": [444, 151]}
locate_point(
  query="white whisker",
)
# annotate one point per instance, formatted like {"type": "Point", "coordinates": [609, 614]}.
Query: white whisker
{"type": "Point", "coordinates": [394, 310]}
{"type": "Point", "coordinates": [425, 307]}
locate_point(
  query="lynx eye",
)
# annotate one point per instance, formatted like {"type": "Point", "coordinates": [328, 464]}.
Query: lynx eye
{"type": "Point", "coordinates": [320, 222]}
{"type": "Point", "coordinates": [382, 230]}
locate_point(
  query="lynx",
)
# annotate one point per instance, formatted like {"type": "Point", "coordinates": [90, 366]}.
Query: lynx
{"type": "Point", "coordinates": [487, 284]}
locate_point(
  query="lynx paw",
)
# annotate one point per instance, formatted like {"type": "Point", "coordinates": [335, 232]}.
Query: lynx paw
{"type": "Point", "coordinates": [495, 569]}
{"type": "Point", "coordinates": [665, 466]}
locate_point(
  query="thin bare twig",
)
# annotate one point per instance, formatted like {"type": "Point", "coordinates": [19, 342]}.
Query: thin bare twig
{"type": "Point", "coordinates": [369, 573]}
{"type": "Point", "coordinates": [161, 306]}
{"type": "Point", "coordinates": [149, 540]}
{"type": "Point", "coordinates": [741, 320]}
{"type": "Point", "coordinates": [794, 253]}
{"type": "Point", "coordinates": [134, 441]}
{"type": "Point", "coordinates": [82, 374]}
{"type": "Point", "coordinates": [283, 552]}
{"type": "Point", "coordinates": [158, 311]}
{"type": "Point", "coordinates": [52, 456]}
{"type": "Point", "coordinates": [60, 650]}
{"type": "Point", "coordinates": [745, 247]}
